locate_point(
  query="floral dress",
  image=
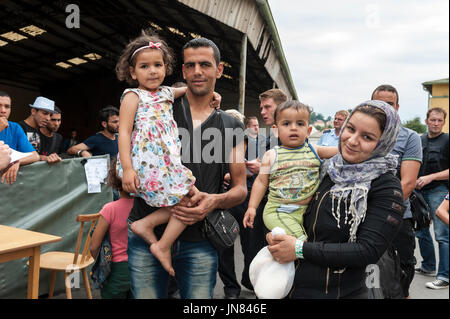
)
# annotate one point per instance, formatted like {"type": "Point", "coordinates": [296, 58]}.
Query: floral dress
{"type": "Point", "coordinates": [155, 150]}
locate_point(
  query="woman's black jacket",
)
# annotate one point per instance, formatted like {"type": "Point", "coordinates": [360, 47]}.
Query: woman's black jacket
{"type": "Point", "coordinates": [333, 267]}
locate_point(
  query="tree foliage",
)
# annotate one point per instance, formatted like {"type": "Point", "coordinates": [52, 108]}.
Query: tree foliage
{"type": "Point", "coordinates": [416, 125]}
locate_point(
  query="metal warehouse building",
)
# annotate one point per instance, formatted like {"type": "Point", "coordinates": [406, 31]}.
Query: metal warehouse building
{"type": "Point", "coordinates": [67, 51]}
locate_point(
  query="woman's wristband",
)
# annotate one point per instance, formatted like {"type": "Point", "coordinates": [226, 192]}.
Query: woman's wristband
{"type": "Point", "coordinates": [299, 248]}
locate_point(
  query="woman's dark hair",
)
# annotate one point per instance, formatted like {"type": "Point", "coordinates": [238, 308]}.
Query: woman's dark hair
{"type": "Point", "coordinates": [113, 180]}
{"type": "Point", "coordinates": [297, 105]}
{"type": "Point", "coordinates": [374, 112]}
{"type": "Point", "coordinates": [127, 59]}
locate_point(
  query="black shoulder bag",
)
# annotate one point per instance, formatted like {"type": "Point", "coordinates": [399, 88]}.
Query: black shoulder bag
{"type": "Point", "coordinates": [420, 211]}
{"type": "Point", "coordinates": [220, 227]}
{"type": "Point", "coordinates": [102, 266]}
{"type": "Point", "coordinates": [419, 208]}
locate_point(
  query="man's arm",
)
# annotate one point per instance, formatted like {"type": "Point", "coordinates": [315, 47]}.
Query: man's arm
{"type": "Point", "coordinates": [205, 203]}
{"type": "Point", "coordinates": [427, 179]}
{"type": "Point", "coordinates": [79, 147]}
{"type": "Point", "coordinates": [408, 176]}
{"type": "Point", "coordinates": [33, 157]}
{"type": "Point", "coordinates": [238, 190]}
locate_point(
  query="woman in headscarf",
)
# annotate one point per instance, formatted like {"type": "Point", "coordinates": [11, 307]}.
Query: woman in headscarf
{"type": "Point", "coordinates": [355, 213]}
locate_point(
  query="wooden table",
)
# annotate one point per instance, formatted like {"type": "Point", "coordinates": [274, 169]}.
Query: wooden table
{"type": "Point", "coordinates": [16, 243]}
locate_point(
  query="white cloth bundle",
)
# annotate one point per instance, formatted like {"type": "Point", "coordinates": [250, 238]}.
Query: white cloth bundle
{"type": "Point", "coordinates": [270, 279]}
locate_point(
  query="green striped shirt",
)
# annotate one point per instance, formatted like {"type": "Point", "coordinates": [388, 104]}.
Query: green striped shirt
{"type": "Point", "coordinates": [294, 175]}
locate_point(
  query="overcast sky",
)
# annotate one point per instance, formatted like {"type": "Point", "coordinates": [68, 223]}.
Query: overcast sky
{"type": "Point", "coordinates": [339, 51]}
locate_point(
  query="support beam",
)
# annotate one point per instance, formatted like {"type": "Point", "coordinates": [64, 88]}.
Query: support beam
{"type": "Point", "coordinates": [242, 74]}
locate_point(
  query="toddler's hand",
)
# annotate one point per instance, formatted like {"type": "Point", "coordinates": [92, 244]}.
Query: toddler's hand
{"type": "Point", "coordinates": [130, 181]}
{"type": "Point", "coordinates": [215, 103]}
{"type": "Point", "coordinates": [226, 180]}
{"type": "Point", "coordinates": [249, 217]}
{"type": "Point", "coordinates": [187, 200]}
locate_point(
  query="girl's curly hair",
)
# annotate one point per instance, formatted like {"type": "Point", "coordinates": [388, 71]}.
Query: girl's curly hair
{"type": "Point", "coordinates": [125, 60]}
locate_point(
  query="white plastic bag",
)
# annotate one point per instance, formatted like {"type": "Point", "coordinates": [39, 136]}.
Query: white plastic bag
{"type": "Point", "coordinates": [270, 279]}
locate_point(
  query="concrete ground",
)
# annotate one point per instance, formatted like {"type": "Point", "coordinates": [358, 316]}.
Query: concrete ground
{"type": "Point", "coordinates": [417, 290]}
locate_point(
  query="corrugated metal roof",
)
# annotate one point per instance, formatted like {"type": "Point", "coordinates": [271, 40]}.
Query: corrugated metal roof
{"type": "Point", "coordinates": [48, 62]}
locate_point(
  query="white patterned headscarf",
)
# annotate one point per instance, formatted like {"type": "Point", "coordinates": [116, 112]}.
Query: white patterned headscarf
{"type": "Point", "coordinates": [354, 180]}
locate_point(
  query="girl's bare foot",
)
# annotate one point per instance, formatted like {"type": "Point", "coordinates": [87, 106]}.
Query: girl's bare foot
{"type": "Point", "coordinates": [163, 256]}
{"type": "Point", "coordinates": [144, 231]}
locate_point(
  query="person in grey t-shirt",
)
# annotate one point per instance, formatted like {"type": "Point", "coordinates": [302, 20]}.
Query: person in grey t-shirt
{"type": "Point", "coordinates": [409, 149]}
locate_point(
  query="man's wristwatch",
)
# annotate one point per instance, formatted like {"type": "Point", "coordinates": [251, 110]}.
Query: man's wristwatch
{"type": "Point", "coordinates": [79, 152]}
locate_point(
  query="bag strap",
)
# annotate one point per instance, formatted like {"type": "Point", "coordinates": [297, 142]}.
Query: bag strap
{"type": "Point", "coordinates": [225, 122]}
{"type": "Point", "coordinates": [423, 166]}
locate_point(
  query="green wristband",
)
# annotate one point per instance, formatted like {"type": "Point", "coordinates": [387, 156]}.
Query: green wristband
{"type": "Point", "coordinates": [299, 248]}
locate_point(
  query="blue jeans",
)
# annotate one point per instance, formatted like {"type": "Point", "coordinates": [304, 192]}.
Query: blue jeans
{"type": "Point", "coordinates": [195, 265]}
{"type": "Point", "coordinates": [434, 198]}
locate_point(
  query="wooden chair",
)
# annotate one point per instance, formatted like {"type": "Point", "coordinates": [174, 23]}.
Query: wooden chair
{"type": "Point", "coordinates": [70, 262]}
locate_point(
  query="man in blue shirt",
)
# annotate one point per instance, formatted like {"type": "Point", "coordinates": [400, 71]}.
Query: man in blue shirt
{"type": "Point", "coordinates": [105, 141]}
{"type": "Point", "coordinates": [13, 135]}
{"type": "Point", "coordinates": [331, 137]}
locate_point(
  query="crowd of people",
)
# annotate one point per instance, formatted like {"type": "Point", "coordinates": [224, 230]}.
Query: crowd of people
{"type": "Point", "coordinates": [343, 202]}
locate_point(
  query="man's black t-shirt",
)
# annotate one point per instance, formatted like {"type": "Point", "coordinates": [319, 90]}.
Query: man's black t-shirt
{"type": "Point", "coordinates": [435, 157]}
{"type": "Point", "coordinates": [203, 151]}
{"type": "Point", "coordinates": [50, 145]}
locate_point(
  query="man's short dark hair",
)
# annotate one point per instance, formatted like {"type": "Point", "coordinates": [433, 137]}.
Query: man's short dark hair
{"type": "Point", "coordinates": [3, 93]}
{"type": "Point", "coordinates": [203, 43]}
{"type": "Point", "coordinates": [437, 110]}
{"type": "Point", "coordinates": [106, 112]}
{"type": "Point", "coordinates": [58, 110]}
{"type": "Point", "coordinates": [386, 87]}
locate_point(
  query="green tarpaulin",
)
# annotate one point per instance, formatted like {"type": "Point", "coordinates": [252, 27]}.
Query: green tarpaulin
{"type": "Point", "coordinates": [46, 198]}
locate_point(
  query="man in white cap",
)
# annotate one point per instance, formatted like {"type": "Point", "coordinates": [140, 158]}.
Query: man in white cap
{"type": "Point", "coordinates": [41, 110]}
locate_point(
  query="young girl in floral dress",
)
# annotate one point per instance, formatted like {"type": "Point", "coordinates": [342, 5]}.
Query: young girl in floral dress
{"type": "Point", "coordinates": [149, 147]}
